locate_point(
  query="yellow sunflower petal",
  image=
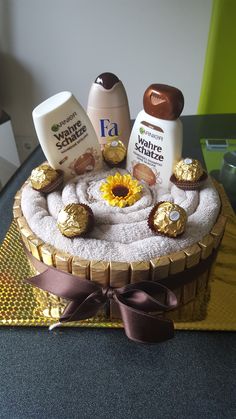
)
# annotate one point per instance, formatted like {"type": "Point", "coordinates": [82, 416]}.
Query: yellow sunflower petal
{"type": "Point", "coordinates": [118, 180]}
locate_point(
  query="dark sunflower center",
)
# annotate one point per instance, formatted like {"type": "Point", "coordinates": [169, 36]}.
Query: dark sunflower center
{"type": "Point", "coordinates": [120, 191]}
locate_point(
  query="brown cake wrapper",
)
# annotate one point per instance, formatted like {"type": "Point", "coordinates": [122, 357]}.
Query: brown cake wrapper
{"type": "Point", "coordinates": [188, 185]}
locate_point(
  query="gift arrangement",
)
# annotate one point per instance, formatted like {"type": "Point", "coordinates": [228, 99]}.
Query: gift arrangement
{"type": "Point", "coordinates": [118, 225]}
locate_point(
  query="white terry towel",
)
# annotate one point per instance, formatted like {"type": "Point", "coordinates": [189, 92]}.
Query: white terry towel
{"type": "Point", "coordinates": [120, 234]}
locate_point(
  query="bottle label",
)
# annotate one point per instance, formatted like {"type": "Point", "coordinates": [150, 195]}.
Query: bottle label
{"type": "Point", "coordinates": [148, 153]}
{"type": "Point", "coordinates": [68, 134]}
{"type": "Point", "coordinates": [107, 129]}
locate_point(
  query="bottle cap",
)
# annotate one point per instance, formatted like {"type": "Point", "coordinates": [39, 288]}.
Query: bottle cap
{"type": "Point", "coordinates": [163, 101]}
{"type": "Point", "coordinates": [107, 92]}
{"type": "Point", "coordinates": [107, 80]}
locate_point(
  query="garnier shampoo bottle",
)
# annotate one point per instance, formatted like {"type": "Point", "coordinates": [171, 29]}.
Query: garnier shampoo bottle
{"type": "Point", "coordinates": [156, 139]}
{"type": "Point", "coordinates": [66, 135]}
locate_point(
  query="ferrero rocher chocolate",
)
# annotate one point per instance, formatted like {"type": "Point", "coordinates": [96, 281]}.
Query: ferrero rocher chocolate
{"type": "Point", "coordinates": [168, 219]}
{"type": "Point", "coordinates": [188, 170]}
{"type": "Point", "coordinates": [114, 152]}
{"type": "Point", "coordinates": [75, 220]}
{"type": "Point", "coordinates": [45, 179]}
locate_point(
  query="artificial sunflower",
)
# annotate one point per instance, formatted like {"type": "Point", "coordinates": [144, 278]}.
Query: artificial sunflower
{"type": "Point", "coordinates": [121, 190]}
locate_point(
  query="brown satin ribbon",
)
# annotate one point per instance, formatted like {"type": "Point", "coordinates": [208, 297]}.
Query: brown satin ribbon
{"type": "Point", "coordinates": [137, 302]}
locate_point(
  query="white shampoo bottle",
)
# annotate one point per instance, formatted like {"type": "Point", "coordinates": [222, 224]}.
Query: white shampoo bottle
{"type": "Point", "coordinates": [156, 139]}
{"type": "Point", "coordinates": [66, 135]}
{"type": "Point", "coordinates": [108, 109]}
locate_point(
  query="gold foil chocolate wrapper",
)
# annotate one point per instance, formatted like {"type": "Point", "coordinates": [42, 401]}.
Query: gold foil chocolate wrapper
{"type": "Point", "coordinates": [114, 152]}
{"type": "Point", "coordinates": [44, 178]}
{"type": "Point", "coordinates": [168, 219]}
{"type": "Point", "coordinates": [75, 220]}
{"type": "Point", "coordinates": [188, 170]}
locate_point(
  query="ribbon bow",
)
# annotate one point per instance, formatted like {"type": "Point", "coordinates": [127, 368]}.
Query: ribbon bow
{"type": "Point", "coordinates": [138, 303]}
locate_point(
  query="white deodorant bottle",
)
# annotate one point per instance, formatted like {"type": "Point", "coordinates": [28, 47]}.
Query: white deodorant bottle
{"type": "Point", "coordinates": [156, 139]}
{"type": "Point", "coordinates": [66, 135]}
{"type": "Point", "coordinates": [108, 109]}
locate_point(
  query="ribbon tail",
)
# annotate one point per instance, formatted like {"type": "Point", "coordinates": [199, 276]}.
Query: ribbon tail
{"type": "Point", "coordinates": [63, 284]}
{"type": "Point", "coordinates": [144, 327]}
{"type": "Point", "coordinates": [54, 326]}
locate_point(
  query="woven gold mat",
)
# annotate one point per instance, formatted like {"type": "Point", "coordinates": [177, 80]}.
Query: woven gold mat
{"type": "Point", "coordinates": [20, 307]}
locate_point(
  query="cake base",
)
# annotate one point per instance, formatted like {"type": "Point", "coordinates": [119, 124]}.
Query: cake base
{"type": "Point", "coordinates": [19, 307]}
{"type": "Point", "coordinates": [191, 294]}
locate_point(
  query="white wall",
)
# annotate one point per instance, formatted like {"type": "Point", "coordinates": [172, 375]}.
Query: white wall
{"type": "Point", "coordinates": [53, 45]}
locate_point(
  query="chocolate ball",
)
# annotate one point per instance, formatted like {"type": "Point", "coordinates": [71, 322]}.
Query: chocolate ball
{"type": "Point", "coordinates": [75, 220]}
{"type": "Point", "coordinates": [188, 170]}
{"type": "Point", "coordinates": [114, 152]}
{"type": "Point", "coordinates": [168, 219]}
{"type": "Point", "coordinates": [85, 163]}
{"type": "Point", "coordinates": [46, 179]}
{"type": "Point", "coordinates": [144, 173]}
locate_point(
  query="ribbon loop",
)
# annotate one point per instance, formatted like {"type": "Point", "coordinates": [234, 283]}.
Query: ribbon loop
{"type": "Point", "coordinates": [149, 296]}
{"type": "Point", "coordinates": [146, 328]}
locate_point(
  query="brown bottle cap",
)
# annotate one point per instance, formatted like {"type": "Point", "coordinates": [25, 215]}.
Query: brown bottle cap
{"type": "Point", "coordinates": [163, 101]}
{"type": "Point", "coordinates": [107, 80]}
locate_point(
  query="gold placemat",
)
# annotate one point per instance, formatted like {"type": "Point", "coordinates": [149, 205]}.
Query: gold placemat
{"type": "Point", "coordinates": [20, 307]}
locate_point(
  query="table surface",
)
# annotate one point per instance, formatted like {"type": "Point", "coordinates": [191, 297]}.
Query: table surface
{"type": "Point", "coordinates": [86, 373]}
